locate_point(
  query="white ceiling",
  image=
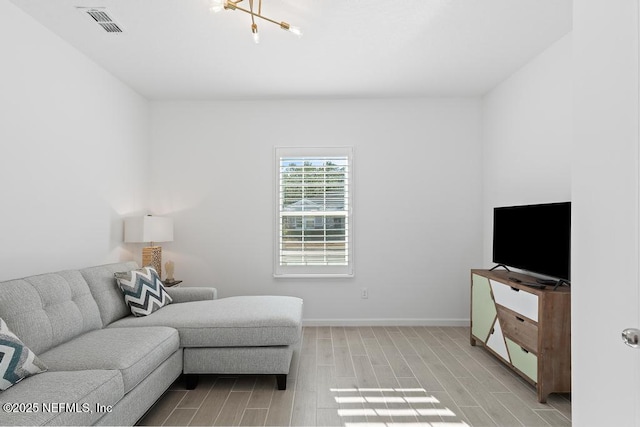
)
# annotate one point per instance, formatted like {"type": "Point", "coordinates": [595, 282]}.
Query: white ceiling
{"type": "Point", "coordinates": [178, 49]}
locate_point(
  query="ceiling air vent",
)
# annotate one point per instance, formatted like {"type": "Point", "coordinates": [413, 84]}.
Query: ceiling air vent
{"type": "Point", "coordinates": [100, 16]}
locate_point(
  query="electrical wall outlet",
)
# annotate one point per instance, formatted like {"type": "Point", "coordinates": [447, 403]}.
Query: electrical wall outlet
{"type": "Point", "coordinates": [364, 293]}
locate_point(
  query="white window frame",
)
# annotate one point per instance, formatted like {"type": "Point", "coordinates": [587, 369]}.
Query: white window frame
{"type": "Point", "coordinates": [311, 271]}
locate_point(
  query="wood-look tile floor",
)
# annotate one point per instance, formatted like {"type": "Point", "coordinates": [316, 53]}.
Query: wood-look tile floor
{"type": "Point", "coordinates": [370, 376]}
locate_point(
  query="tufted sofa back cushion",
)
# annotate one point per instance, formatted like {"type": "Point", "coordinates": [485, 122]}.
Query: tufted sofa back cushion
{"type": "Point", "coordinates": [48, 309]}
{"type": "Point", "coordinates": [106, 292]}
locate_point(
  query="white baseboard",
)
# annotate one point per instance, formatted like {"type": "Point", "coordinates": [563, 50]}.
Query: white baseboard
{"type": "Point", "coordinates": [386, 322]}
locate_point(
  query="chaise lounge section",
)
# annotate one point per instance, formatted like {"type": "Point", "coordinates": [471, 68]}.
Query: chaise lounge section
{"type": "Point", "coordinates": [109, 367]}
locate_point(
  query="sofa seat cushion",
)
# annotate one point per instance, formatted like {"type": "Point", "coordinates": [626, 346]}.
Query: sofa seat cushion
{"type": "Point", "coordinates": [72, 398]}
{"type": "Point", "coordinates": [135, 352]}
{"type": "Point", "coordinates": [246, 321]}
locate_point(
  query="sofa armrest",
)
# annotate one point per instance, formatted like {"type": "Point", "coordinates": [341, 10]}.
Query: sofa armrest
{"type": "Point", "coordinates": [191, 294]}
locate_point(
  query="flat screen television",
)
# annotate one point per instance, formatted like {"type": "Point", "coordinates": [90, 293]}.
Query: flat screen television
{"type": "Point", "coordinates": [535, 238]}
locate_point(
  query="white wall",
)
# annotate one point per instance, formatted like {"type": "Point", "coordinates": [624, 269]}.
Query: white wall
{"type": "Point", "coordinates": [417, 202]}
{"type": "Point", "coordinates": [605, 295]}
{"type": "Point", "coordinates": [527, 134]}
{"type": "Point", "coordinates": [73, 143]}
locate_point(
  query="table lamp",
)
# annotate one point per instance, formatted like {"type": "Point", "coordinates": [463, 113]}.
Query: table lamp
{"type": "Point", "coordinates": [149, 229]}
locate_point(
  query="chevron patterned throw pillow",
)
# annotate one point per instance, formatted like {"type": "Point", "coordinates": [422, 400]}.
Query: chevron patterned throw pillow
{"type": "Point", "coordinates": [17, 361]}
{"type": "Point", "coordinates": [143, 291]}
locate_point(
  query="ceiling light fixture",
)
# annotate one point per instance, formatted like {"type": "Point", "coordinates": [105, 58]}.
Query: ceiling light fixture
{"type": "Point", "coordinates": [218, 5]}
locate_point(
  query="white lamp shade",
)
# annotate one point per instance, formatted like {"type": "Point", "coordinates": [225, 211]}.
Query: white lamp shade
{"type": "Point", "coordinates": [148, 229]}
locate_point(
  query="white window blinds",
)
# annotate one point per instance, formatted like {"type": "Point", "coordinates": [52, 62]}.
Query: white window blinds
{"type": "Point", "coordinates": [314, 198]}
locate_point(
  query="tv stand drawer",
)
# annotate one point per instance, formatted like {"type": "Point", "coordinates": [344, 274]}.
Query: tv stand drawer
{"type": "Point", "coordinates": [517, 300]}
{"type": "Point", "coordinates": [523, 360]}
{"type": "Point", "coordinates": [521, 330]}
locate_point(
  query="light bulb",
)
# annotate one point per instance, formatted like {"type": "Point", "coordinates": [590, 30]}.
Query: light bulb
{"type": "Point", "coordinates": [295, 30]}
{"type": "Point", "coordinates": [216, 6]}
{"type": "Point", "coordinates": [256, 35]}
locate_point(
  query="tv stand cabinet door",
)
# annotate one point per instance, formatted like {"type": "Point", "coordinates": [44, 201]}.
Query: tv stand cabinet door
{"type": "Point", "coordinates": [497, 343]}
{"type": "Point", "coordinates": [483, 309]}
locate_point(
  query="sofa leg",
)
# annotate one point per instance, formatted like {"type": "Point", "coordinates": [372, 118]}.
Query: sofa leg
{"type": "Point", "coordinates": [191, 381]}
{"type": "Point", "coordinates": [281, 379]}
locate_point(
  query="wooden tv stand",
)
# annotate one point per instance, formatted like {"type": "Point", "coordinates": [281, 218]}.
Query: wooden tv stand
{"type": "Point", "coordinates": [528, 329]}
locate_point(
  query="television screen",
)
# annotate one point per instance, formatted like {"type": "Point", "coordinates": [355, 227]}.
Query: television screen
{"type": "Point", "coordinates": [535, 238]}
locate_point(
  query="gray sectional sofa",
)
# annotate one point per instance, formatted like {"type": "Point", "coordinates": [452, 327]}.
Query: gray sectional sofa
{"type": "Point", "coordinates": [107, 367]}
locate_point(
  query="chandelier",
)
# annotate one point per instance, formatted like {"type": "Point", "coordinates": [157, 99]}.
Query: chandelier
{"type": "Point", "coordinates": [255, 12]}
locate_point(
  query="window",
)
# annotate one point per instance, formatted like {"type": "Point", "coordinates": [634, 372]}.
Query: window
{"type": "Point", "coordinates": [314, 200]}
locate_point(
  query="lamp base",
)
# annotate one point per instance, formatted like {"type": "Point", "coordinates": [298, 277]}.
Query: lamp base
{"type": "Point", "coordinates": [152, 257]}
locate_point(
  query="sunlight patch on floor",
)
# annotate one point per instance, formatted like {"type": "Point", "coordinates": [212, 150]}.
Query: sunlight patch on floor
{"type": "Point", "coordinates": [436, 424]}
{"type": "Point", "coordinates": [404, 403]}
{"type": "Point", "coordinates": [395, 412]}
{"type": "Point", "coordinates": [383, 399]}
{"type": "Point", "coordinates": [418, 424]}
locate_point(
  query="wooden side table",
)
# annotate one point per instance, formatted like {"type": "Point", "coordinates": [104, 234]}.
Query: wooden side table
{"type": "Point", "coordinates": [172, 283]}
